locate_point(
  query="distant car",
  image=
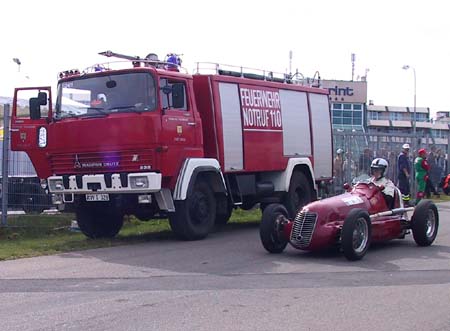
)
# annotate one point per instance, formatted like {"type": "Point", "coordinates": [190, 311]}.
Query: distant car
{"type": "Point", "coordinates": [350, 221]}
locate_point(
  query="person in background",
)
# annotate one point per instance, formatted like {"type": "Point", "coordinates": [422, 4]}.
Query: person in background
{"type": "Point", "coordinates": [421, 166]}
{"type": "Point", "coordinates": [338, 167]}
{"type": "Point", "coordinates": [349, 166]}
{"type": "Point", "coordinates": [364, 162]}
{"type": "Point", "coordinates": [404, 173]}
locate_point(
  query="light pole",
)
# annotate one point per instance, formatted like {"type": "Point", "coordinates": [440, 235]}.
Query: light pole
{"type": "Point", "coordinates": [406, 67]}
{"type": "Point", "coordinates": [17, 61]}
{"type": "Point", "coordinates": [414, 142]}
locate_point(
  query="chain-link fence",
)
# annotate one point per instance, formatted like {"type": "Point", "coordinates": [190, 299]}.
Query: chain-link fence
{"type": "Point", "coordinates": [354, 152]}
{"type": "Point", "coordinates": [20, 188]}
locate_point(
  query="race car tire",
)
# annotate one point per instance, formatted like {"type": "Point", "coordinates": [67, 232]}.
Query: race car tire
{"type": "Point", "coordinates": [299, 194]}
{"type": "Point", "coordinates": [270, 232]}
{"type": "Point", "coordinates": [425, 223]}
{"type": "Point", "coordinates": [96, 220]}
{"type": "Point", "coordinates": [194, 217]}
{"type": "Point", "coordinates": [356, 234]}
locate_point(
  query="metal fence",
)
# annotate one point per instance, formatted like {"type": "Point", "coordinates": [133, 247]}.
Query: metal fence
{"type": "Point", "coordinates": [20, 189]}
{"type": "Point", "coordinates": [359, 149]}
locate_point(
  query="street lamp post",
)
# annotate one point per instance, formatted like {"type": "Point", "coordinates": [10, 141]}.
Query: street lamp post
{"type": "Point", "coordinates": [406, 67]}
{"type": "Point", "coordinates": [17, 61]}
{"type": "Point", "coordinates": [414, 142]}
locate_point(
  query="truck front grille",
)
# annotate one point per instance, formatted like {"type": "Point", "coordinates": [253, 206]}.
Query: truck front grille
{"type": "Point", "coordinates": [303, 229]}
{"type": "Point", "coordinates": [102, 162]}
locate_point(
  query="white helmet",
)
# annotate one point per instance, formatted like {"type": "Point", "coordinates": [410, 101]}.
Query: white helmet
{"type": "Point", "coordinates": [340, 151]}
{"type": "Point", "coordinates": [405, 146]}
{"type": "Point", "coordinates": [379, 163]}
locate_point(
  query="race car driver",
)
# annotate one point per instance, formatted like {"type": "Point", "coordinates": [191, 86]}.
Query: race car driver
{"type": "Point", "coordinates": [377, 170]}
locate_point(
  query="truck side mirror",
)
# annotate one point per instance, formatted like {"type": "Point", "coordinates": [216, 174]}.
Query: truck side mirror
{"type": "Point", "coordinates": [166, 89]}
{"type": "Point", "coordinates": [42, 97]}
{"type": "Point", "coordinates": [178, 96]}
{"type": "Point", "coordinates": [35, 108]}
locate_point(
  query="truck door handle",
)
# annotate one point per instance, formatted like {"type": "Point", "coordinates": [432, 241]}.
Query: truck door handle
{"type": "Point", "coordinates": [191, 123]}
{"type": "Point", "coordinates": [14, 130]}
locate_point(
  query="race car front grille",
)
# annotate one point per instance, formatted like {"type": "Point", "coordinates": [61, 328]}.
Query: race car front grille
{"type": "Point", "coordinates": [303, 229]}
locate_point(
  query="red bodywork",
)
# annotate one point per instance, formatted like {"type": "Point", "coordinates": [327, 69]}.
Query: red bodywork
{"type": "Point", "coordinates": [163, 139]}
{"type": "Point", "coordinates": [318, 225]}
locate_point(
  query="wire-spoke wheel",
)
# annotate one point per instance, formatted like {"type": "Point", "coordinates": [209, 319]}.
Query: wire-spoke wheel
{"type": "Point", "coordinates": [356, 234]}
{"type": "Point", "coordinates": [425, 223]}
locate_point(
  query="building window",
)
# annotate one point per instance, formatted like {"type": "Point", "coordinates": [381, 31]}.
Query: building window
{"type": "Point", "coordinates": [437, 133]}
{"type": "Point", "coordinates": [347, 115]}
{"type": "Point", "coordinates": [395, 116]}
{"type": "Point", "coordinates": [420, 117]}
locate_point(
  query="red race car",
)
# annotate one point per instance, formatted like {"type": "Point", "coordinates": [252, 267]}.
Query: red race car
{"type": "Point", "coordinates": [351, 221]}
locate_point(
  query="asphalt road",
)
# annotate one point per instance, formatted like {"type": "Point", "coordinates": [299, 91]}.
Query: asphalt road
{"type": "Point", "coordinates": [229, 282]}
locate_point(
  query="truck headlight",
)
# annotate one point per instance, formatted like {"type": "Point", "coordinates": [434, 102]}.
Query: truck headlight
{"type": "Point", "coordinates": [56, 184]}
{"type": "Point", "coordinates": [139, 182]}
{"type": "Point", "coordinates": [42, 137]}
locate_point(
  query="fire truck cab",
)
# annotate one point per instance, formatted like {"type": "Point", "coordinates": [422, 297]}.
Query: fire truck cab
{"type": "Point", "coordinates": [152, 141]}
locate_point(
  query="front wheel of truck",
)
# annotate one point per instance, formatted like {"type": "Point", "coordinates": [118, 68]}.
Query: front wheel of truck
{"type": "Point", "coordinates": [97, 221]}
{"type": "Point", "coordinates": [194, 217]}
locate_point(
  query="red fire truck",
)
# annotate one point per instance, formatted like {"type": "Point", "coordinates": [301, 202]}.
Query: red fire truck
{"type": "Point", "coordinates": [153, 141]}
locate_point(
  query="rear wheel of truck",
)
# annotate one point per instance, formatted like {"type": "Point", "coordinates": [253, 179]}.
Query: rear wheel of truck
{"type": "Point", "coordinates": [98, 221]}
{"type": "Point", "coordinates": [194, 217]}
{"type": "Point", "coordinates": [299, 194]}
{"type": "Point", "coordinates": [224, 209]}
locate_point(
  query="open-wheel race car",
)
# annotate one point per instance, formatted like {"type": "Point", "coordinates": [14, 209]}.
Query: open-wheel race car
{"type": "Point", "coordinates": [350, 221]}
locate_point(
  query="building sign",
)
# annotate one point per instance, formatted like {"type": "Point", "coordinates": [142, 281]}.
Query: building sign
{"type": "Point", "coordinates": [261, 108]}
{"type": "Point", "coordinates": [346, 91]}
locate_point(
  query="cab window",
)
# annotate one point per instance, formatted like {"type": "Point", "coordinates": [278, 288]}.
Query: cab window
{"type": "Point", "coordinates": [173, 94]}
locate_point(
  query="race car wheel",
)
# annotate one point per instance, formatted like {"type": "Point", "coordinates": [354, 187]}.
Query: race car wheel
{"type": "Point", "coordinates": [271, 228]}
{"type": "Point", "coordinates": [194, 217]}
{"type": "Point", "coordinates": [299, 194]}
{"type": "Point", "coordinates": [425, 223]}
{"type": "Point", "coordinates": [356, 234]}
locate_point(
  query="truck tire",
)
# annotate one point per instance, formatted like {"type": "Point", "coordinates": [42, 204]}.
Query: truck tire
{"type": "Point", "coordinates": [425, 223]}
{"type": "Point", "coordinates": [356, 234]}
{"type": "Point", "coordinates": [224, 209]}
{"type": "Point", "coordinates": [98, 221]}
{"type": "Point", "coordinates": [299, 194]}
{"type": "Point", "coordinates": [269, 231]}
{"type": "Point", "coordinates": [194, 217]}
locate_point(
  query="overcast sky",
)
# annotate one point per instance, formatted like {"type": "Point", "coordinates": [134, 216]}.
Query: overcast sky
{"type": "Point", "coordinates": [50, 36]}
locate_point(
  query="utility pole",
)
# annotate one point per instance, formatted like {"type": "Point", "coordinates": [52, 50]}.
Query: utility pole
{"type": "Point", "coordinates": [353, 65]}
{"type": "Point", "coordinates": [17, 61]}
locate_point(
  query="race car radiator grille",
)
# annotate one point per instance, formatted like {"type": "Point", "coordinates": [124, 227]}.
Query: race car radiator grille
{"type": "Point", "coordinates": [303, 229]}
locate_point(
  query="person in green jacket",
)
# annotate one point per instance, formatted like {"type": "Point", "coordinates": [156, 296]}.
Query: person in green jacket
{"type": "Point", "coordinates": [421, 166]}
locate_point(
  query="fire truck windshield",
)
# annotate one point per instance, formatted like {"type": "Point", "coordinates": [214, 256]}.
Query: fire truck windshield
{"type": "Point", "coordinates": [106, 94]}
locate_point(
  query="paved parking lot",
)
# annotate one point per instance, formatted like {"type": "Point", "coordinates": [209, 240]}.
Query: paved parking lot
{"type": "Point", "coordinates": [229, 282]}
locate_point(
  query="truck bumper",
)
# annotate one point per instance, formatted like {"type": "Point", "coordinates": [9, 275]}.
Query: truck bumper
{"type": "Point", "coordinates": [105, 183]}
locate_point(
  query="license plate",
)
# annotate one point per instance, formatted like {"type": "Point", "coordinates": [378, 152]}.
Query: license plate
{"type": "Point", "coordinates": [97, 197]}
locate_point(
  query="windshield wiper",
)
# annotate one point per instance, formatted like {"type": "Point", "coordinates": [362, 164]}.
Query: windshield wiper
{"type": "Point", "coordinates": [100, 110]}
{"type": "Point", "coordinates": [130, 107]}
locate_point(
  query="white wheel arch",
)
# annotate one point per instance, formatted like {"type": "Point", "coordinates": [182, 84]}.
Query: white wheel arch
{"type": "Point", "coordinates": [282, 179]}
{"type": "Point", "coordinates": [189, 169]}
